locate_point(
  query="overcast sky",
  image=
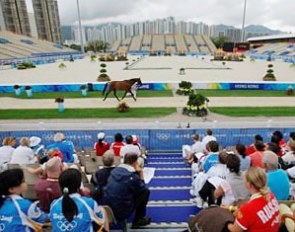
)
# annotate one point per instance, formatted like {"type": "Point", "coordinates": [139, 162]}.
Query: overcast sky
{"type": "Point", "coordinates": [276, 14]}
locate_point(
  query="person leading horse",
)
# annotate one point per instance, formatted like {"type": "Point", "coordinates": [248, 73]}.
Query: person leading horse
{"type": "Point", "coordinates": [125, 85]}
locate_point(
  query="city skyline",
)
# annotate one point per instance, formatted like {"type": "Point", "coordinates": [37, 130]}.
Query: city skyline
{"type": "Point", "coordinates": [274, 14]}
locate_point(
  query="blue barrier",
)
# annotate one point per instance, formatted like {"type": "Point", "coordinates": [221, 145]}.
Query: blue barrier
{"type": "Point", "coordinates": [98, 86]}
{"type": "Point", "coordinates": [156, 140]}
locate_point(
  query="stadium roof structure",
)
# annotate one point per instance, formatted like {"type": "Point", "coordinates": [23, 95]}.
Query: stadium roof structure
{"type": "Point", "coordinates": [271, 37]}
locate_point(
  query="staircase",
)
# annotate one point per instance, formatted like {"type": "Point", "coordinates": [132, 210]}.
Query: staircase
{"type": "Point", "coordinates": [169, 205]}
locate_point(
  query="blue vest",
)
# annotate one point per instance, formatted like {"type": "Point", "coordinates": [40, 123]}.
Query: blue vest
{"type": "Point", "coordinates": [82, 222]}
{"type": "Point", "coordinates": [12, 220]}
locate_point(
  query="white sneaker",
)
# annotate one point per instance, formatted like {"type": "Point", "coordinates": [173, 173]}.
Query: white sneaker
{"type": "Point", "coordinates": [199, 202]}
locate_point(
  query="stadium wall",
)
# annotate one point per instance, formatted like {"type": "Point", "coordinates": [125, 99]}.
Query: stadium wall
{"type": "Point", "coordinates": [155, 86]}
{"type": "Point", "coordinates": [155, 139]}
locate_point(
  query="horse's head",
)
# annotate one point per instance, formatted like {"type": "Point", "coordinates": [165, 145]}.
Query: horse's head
{"type": "Point", "coordinates": [138, 82]}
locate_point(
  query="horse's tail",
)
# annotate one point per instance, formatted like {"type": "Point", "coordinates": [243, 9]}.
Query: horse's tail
{"type": "Point", "coordinates": [105, 88]}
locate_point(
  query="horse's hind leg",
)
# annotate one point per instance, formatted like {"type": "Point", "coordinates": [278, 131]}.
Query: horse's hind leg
{"type": "Point", "coordinates": [115, 93]}
{"type": "Point", "coordinates": [124, 95]}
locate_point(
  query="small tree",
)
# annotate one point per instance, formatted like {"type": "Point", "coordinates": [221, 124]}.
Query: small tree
{"type": "Point", "coordinates": [269, 76]}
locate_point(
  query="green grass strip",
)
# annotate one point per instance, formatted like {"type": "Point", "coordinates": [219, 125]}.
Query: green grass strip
{"type": "Point", "coordinates": [255, 111]}
{"type": "Point", "coordinates": [86, 113]}
{"type": "Point", "coordinates": [243, 93]}
{"type": "Point", "coordinates": [95, 94]}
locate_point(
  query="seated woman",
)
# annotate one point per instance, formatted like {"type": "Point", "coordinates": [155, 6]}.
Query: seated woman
{"type": "Point", "coordinates": [17, 213]}
{"type": "Point", "coordinates": [261, 213]}
{"type": "Point", "coordinates": [232, 189]}
{"type": "Point", "coordinates": [101, 146]}
{"type": "Point", "coordinates": [72, 211]}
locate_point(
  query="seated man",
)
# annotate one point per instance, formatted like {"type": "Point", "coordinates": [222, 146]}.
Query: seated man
{"type": "Point", "coordinates": [48, 189]}
{"type": "Point", "coordinates": [277, 179]}
{"type": "Point", "coordinates": [126, 192]}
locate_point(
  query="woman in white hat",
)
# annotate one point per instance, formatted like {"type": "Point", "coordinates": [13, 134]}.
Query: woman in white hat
{"type": "Point", "coordinates": [101, 146]}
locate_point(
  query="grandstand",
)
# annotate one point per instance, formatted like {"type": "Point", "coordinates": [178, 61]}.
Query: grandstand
{"type": "Point", "coordinates": [166, 44]}
{"type": "Point", "coordinates": [274, 47]}
{"type": "Point", "coordinates": [14, 46]}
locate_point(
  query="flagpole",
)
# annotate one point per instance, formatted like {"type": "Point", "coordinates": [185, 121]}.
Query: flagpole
{"type": "Point", "coordinates": [243, 24]}
{"type": "Point", "coordinates": [80, 29]}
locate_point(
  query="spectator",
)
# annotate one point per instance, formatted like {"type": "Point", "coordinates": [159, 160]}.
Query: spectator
{"type": "Point", "coordinates": [212, 158]}
{"type": "Point", "coordinates": [292, 138]}
{"type": "Point", "coordinates": [129, 147]}
{"type": "Point", "coordinates": [16, 213]}
{"type": "Point", "coordinates": [101, 146]}
{"type": "Point", "coordinates": [126, 191]}
{"type": "Point", "coordinates": [118, 144]}
{"type": "Point", "coordinates": [23, 154]}
{"type": "Point", "coordinates": [245, 160]}
{"type": "Point", "coordinates": [47, 189]}
{"type": "Point", "coordinates": [277, 179]}
{"type": "Point", "coordinates": [72, 210]}
{"type": "Point", "coordinates": [65, 148]}
{"type": "Point", "coordinates": [282, 142]}
{"type": "Point", "coordinates": [289, 157]}
{"type": "Point", "coordinates": [197, 147]}
{"type": "Point", "coordinates": [102, 175]}
{"type": "Point", "coordinates": [6, 150]}
{"type": "Point", "coordinates": [251, 148]}
{"type": "Point", "coordinates": [276, 140]}
{"type": "Point", "coordinates": [252, 215]}
{"type": "Point", "coordinates": [256, 157]}
{"type": "Point", "coordinates": [38, 149]}
{"type": "Point", "coordinates": [209, 137]}
{"type": "Point", "coordinates": [232, 188]}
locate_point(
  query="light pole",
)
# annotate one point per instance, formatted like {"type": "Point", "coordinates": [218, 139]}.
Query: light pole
{"type": "Point", "coordinates": [243, 24]}
{"type": "Point", "coordinates": [80, 29]}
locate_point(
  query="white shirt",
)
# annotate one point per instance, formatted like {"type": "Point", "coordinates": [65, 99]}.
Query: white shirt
{"type": "Point", "coordinates": [289, 157]}
{"type": "Point", "coordinates": [129, 148]}
{"type": "Point", "coordinates": [23, 155]}
{"type": "Point", "coordinates": [207, 139]}
{"type": "Point", "coordinates": [197, 147]}
{"type": "Point", "coordinates": [5, 154]}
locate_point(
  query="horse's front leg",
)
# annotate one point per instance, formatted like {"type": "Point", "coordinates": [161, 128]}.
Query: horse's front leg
{"type": "Point", "coordinates": [132, 95]}
{"type": "Point", "coordinates": [115, 93]}
{"type": "Point", "coordinates": [106, 95]}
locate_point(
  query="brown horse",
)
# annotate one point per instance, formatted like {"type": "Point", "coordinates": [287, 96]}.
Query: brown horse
{"type": "Point", "coordinates": [120, 85]}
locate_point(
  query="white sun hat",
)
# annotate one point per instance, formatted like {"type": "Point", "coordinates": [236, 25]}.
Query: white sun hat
{"type": "Point", "coordinates": [34, 141]}
{"type": "Point", "coordinates": [101, 135]}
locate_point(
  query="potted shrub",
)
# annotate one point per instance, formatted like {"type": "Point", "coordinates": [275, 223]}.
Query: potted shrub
{"type": "Point", "coordinates": [92, 58]}
{"type": "Point", "coordinates": [62, 66]}
{"type": "Point", "coordinates": [185, 88]}
{"type": "Point", "coordinates": [122, 107]}
{"type": "Point", "coordinates": [29, 91]}
{"type": "Point", "coordinates": [269, 76]}
{"type": "Point", "coordinates": [83, 89]}
{"type": "Point", "coordinates": [103, 76]}
{"type": "Point", "coordinates": [17, 90]}
{"type": "Point", "coordinates": [290, 90]}
{"type": "Point", "coordinates": [60, 104]}
{"type": "Point", "coordinates": [196, 105]}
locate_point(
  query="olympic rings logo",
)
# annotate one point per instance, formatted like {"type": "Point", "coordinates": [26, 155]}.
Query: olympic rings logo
{"type": "Point", "coordinates": [66, 226]}
{"type": "Point", "coordinates": [2, 227]}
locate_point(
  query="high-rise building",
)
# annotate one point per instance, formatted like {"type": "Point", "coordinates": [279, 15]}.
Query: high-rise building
{"type": "Point", "coordinates": [14, 16]}
{"type": "Point", "coordinates": [47, 20]}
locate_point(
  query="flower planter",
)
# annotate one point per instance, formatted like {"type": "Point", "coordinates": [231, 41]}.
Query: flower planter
{"type": "Point", "coordinates": [17, 91]}
{"type": "Point", "coordinates": [60, 107]}
{"type": "Point", "coordinates": [84, 92]}
{"type": "Point", "coordinates": [29, 92]}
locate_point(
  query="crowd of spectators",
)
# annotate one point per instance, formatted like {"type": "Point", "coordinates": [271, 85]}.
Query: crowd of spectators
{"type": "Point", "coordinates": [63, 200]}
{"type": "Point", "coordinates": [247, 179]}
